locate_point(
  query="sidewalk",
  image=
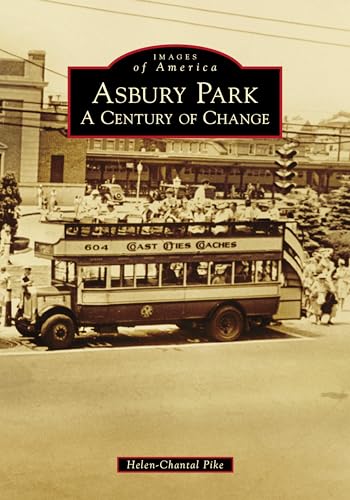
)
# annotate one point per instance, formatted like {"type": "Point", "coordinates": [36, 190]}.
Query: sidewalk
{"type": "Point", "coordinates": [307, 328]}
{"type": "Point", "coordinates": [30, 226]}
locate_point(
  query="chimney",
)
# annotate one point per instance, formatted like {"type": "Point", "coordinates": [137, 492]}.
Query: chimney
{"type": "Point", "coordinates": [36, 70]}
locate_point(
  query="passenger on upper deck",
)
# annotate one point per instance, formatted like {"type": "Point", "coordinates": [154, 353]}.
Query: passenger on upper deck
{"type": "Point", "coordinates": [92, 205]}
{"type": "Point", "coordinates": [222, 215]}
{"type": "Point", "coordinates": [273, 212]}
{"type": "Point", "coordinates": [169, 201]}
{"type": "Point", "coordinates": [250, 211]}
{"type": "Point", "coordinates": [232, 209]}
{"type": "Point", "coordinates": [185, 211]}
{"type": "Point", "coordinates": [198, 216]}
{"type": "Point", "coordinates": [111, 217]}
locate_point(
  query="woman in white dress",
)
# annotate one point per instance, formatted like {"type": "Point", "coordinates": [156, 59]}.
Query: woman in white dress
{"type": "Point", "coordinates": [342, 280]}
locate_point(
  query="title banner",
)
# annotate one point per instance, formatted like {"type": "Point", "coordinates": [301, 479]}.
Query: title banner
{"type": "Point", "coordinates": [174, 91]}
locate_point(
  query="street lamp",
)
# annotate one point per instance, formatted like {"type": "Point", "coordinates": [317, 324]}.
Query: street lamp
{"type": "Point", "coordinates": [139, 169]}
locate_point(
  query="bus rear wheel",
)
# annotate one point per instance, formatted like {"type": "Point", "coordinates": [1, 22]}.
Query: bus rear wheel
{"type": "Point", "coordinates": [58, 331]}
{"type": "Point", "coordinates": [226, 324]}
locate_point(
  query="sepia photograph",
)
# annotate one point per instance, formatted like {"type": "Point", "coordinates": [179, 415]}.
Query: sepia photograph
{"type": "Point", "coordinates": [174, 250]}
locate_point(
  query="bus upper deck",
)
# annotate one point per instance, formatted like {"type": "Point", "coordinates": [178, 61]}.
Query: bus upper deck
{"type": "Point", "coordinates": [83, 242]}
{"type": "Point", "coordinates": [175, 229]}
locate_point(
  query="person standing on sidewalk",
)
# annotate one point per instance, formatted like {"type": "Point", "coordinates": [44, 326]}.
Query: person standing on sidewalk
{"type": "Point", "coordinates": [323, 299]}
{"type": "Point", "coordinates": [52, 200]}
{"type": "Point", "coordinates": [77, 207]}
{"type": "Point", "coordinates": [4, 285]}
{"type": "Point", "coordinates": [28, 292]}
{"type": "Point", "coordinates": [5, 244]}
{"type": "Point", "coordinates": [40, 196]}
{"type": "Point", "coordinates": [341, 275]}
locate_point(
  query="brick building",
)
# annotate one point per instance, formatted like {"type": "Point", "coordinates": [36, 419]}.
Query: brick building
{"type": "Point", "coordinates": [61, 160]}
{"type": "Point", "coordinates": [21, 96]}
{"type": "Point", "coordinates": [33, 142]}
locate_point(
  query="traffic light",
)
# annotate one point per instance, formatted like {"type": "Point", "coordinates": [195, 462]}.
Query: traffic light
{"type": "Point", "coordinates": [286, 164]}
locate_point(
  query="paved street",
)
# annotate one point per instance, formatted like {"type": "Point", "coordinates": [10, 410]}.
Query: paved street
{"type": "Point", "coordinates": [281, 407]}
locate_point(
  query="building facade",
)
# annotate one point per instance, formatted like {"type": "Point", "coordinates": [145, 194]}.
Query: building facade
{"type": "Point", "coordinates": [21, 96]}
{"type": "Point", "coordinates": [224, 162]}
{"type": "Point", "coordinates": [33, 139]}
{"type": "Point", "coordinates": [34, 145]}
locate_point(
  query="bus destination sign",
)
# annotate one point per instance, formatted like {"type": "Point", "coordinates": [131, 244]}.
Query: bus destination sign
{"type": "Point", "coordinates": [66, 248]}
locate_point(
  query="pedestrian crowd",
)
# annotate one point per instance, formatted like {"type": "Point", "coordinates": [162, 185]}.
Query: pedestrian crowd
{"type": "Point", "coordinates": [326, 286]}
{"type": "Point", "coordinates": [202, 209]}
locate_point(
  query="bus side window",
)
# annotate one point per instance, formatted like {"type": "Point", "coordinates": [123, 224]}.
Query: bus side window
{"type": "Point", "coordinates": [147, 275]}
{"type": "Point", "coordinates": [221, 273]}
{"type": "Point", "coordinates": [64, 271]}
{"type": "Point", "coordinates": [172, 274]}
{"type": "Point", "coordinates": [94, 276]}
{"type": "Point", "coordinates": [71, 272]}
{"type": "Point", "coordinates": [274, 270]}
{"type": "Point", "coordinates": [244, 271]}
{"type": "Point", "coordinates": [197, 273]}
{"type": "Point", "coordinates": [267, 270]}
{"type": "Point", "coordinates": [60, 270]}
{"type": "Point", "coordinates": [128, 275]}
{"type": "Point", "coordinates": [116, 281]}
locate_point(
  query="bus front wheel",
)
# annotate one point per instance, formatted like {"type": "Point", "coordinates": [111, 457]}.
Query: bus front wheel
{"type": "Point", "coordinates": [226, 324]}
{"type": "Point", "coordinates": [58, 331]}
{"type": "Point", "coordinates": [22, 325]}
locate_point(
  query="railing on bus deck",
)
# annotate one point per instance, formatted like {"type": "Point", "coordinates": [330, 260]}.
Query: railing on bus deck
{"type": "Point", "coordinates": [260, 227]}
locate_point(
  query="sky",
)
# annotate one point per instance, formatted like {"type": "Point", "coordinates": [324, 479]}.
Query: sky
{"type": "Point", "coordinates": [316, 77]}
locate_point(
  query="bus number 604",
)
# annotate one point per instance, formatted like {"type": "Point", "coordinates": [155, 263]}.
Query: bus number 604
{"type": "Point", "coordinates": [95, 247]}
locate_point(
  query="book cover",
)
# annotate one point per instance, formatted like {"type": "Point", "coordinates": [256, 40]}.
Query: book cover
{"type": "Point", "coordinates": [173, 202]}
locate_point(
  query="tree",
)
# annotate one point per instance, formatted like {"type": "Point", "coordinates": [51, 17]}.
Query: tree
{"type": "Point", "coordinates": [10, 199]}
{"type": "Point", "coordinates": [338, 217]}
{"type": "Point", "coordinates": [337, 220]}
{"type": "Point", "coordinates": [340, 242]}
{"type": "Point", "coordinates": [308, 216]}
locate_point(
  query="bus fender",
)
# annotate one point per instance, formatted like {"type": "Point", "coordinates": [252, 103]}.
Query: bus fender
{"type": "Point", "coordinates": [52, 309]}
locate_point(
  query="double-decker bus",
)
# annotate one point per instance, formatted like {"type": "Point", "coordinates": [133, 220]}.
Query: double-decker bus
{"type": "Point", "coordinates": [108, 275]}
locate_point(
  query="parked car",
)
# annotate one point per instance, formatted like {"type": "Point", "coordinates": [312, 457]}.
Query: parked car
{"type": "Point", "coordinates": [112, 192]}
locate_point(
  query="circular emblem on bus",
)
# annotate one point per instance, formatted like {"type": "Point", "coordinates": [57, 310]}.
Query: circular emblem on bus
{"type": "Point", "coordinates": [146, 311]}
